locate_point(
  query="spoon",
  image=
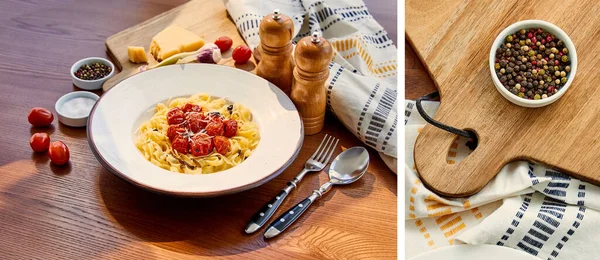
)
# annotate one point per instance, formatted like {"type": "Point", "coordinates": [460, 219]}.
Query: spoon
{"type": "Point", "coordinates": [346, 168]}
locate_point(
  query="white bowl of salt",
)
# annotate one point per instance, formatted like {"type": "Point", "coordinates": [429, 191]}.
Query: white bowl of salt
{"type": "Point", "coordinates": [74, 108]}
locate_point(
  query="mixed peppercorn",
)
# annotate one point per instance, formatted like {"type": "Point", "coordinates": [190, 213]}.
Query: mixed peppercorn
{"type": "Point", "coordinates": [93, 71]}
{"type": "Point", "coordinates": [532, 64]}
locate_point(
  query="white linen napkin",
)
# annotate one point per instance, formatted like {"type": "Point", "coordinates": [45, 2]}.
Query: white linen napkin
{"type": "Point", "coordinates": [362, 84]}
{"type": "Point", "coordinates": [526, 207]}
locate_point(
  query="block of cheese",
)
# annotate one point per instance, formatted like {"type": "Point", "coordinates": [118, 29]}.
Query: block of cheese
{"type": "Point", "coordinates": [173, 40]}
{"type": "Point", "coordinates": [136, 54]}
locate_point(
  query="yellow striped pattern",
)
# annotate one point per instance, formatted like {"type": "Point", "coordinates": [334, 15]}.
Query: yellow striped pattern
{"type": "Point", "coordinates": [384, 69]}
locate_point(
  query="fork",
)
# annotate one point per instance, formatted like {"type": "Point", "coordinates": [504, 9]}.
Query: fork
{"type": "Point", "coordinates": [316, 163]}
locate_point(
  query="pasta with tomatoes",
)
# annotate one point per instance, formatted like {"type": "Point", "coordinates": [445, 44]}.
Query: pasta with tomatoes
{"type": "Point", "coordinates": [199, 134]}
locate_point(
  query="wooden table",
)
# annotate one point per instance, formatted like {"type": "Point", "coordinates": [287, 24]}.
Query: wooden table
{"type": "Point", "coordinates": [83, 212]}
{"type": "Point", "coordinates": [418, 82]}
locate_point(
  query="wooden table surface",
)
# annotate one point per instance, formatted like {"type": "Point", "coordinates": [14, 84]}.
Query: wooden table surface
{"type": "Point", "coordinates": [82, 211]}
{"type": "Point", "coordinates": [418, 82]}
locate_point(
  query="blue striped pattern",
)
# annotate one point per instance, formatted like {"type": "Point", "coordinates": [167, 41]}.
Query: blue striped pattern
{"type": "Point", "coordinates": [408, 112]}
{"type": "Point", "coordinates": [389, 134]}
{"type": "Point", "coordinates": [335, 78]}
{"type": "Point", "coordinates": [516, 220]}
{"type": "Point", "coordinates": [322, 17]}
{"type": "Point", "coordinates": [379, 117]}
{"type": "Point", "coordinates": [557, 188]}
{"type": "Point", "coordinates": [353, 13]}
{"type": "Point", "coordinates": [364, 112]}
{"type": "Point", "coordinates": [548, 219]}
{"type": "Point", "coordinates": [570, 232]}
{"type": "Point", "coordinates": [581, 195]}
{"type": "Point", "coordinates": [534, 179]}
{"type": "Point", "coordinates": [380, 39]}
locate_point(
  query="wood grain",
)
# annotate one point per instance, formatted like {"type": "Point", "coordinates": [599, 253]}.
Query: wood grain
{"type": "Point", "coordinates": [83, 212]}
{"type": "Point", "coordinates": [417, 80]}
{"type": "Point", "coordinates": [453, 38]}
{"type": "Point", "coordinates": [311, 71]}
{"type": "Point", "coordinates": [206, 18]}
{"type": "Point", "coordinates": [276, 63]}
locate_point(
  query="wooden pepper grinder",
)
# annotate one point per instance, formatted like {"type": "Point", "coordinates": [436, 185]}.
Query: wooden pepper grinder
{"type": "Point", "coordinates": [276, 31]}
{"type": "Point", "coordinates": [312, 55]}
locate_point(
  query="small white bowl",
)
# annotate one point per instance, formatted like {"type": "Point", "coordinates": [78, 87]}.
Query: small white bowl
{"type": "Point", "coordinates": [91, 84]}
{"type": "Point", "coordinates": [551, 28]}
{"type": "Point", "coordinates": [64, 116]}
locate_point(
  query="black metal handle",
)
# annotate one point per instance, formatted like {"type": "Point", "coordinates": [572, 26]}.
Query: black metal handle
{"type": "Point", "coordinates": [289, 217]}
{"type": "Point", "coordinates": [261, 217]}
{"type": "Point", "coordinates": [472, 144]}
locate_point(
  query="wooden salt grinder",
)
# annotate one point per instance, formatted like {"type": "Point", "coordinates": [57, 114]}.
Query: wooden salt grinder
{"type": "Point", "coordinates": [312, 55]}
{"type": "Point", "coordinates": [276, 31]}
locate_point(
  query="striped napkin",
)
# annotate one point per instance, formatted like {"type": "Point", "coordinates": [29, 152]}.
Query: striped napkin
{"type": "Point", "coordinates": [361, 88]}
{"type": "Point", "coordinates": [526, 207]}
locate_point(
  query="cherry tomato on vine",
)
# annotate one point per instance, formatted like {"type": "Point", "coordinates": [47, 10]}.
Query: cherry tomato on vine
{"type": "Point", "coordinates": [224, 43]}
{"type": "Point", "coordinates": [241, 54]}
{"type": "Point", "coordinates": [58, 153]}
{"type": "Point", "coordinates": [39, 116]}
{"type": "Point", "coordinates": [39, 142]}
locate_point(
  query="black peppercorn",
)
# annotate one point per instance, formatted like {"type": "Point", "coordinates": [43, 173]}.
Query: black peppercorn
{"type": "Point", "coordinates": [93, 71]}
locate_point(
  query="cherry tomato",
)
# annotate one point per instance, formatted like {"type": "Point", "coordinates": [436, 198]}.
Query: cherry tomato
{"type": "Point", "coordinates": [39, 116]}
{"type": "Point", "coordinates": [39, 142]}
{"type": "Point", "coordinates": [221, 144]}
{"type": "Point", "coordinates": [196, 121]}
{"type": "Point", "coordinates": [181, 144]}
{"type": "Point", "coordinates": [174, 131]}
{"type": "Point", "coordinates": [224, 43]}
{"type": "Point", "coordinates": [175, 116]}
{"type": "Point", "coordinates": [191, 108]}
{"type": "Point", "coordinates": [241, 54]}
{"type": "Point", "coordinates": [201, 145]}
{"type": "Point", "coordinates": [215, 127]}
{"type": "Point", "coordinates": [59, 153]}
{"type": "Point", "coordinates": [230, 128]}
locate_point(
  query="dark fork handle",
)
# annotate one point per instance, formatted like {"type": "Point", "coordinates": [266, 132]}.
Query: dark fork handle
{"type": "Point", "coordinates": [261, 217]}
{"type": "Point", "coordinates": [288, 218]}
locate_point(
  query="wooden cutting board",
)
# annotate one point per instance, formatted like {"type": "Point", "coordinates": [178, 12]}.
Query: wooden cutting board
{"type": "Point", "coordinates": [207, 18]}
{"type": "Point", "coordinates": [453, 39]}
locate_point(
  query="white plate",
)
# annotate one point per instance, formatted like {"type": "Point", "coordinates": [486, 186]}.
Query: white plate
{"type": "Point", "coordinates": [475, 252]}
{"type": "Point", "coordinates": [122, 109]}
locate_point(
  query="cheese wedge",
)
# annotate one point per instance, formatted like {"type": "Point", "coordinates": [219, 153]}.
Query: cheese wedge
{"type": "Point", "coordinates": [136, 54]}
{"type": "Point", "coordinates": [173, 40]}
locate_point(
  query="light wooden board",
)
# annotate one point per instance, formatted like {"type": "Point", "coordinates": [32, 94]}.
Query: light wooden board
{"type": "Point", "coordinates": [206, 18]}
{"type": "Point", "coordinates": [453, 38]}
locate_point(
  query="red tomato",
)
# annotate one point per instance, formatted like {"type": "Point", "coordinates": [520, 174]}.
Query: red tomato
{"type": "Point", "coordinates": [59, 153]}
{"type": "Point", "coordinates": [181, 144]}
{"type": "Point", "coordinates": [174, 131]}
{"type": "Point", "coordinates": [196, 121]}
{"type": "Point", "coordinates": [241, 54]}
{"type": "Point", "coordinates": [230, 128]}
{"type": "Point", "coordinates": [175, 116]}
{"type": "Point", "coordinates": [39, 116]}
{"type": "Point", "coordinates": [191, 108]}
{"type": "Point", "coordinates": [224, 43]}
{"type": "Point", "coordinates": [221, 144]}
{"type": "Point", "coordinates": [201, 145]}
{"type": "Point", "coordinates": [39, 142]}
{"type": "Point", "coordinates": [215, 127]}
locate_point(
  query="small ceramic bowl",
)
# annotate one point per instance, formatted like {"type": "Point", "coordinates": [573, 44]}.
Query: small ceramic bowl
{"type": "Point", "coordinates": [527, 24]}
{"type": "Point", "coordinates": [70, 117]}
{"type": "Point", "coordinates": [91, 84]}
